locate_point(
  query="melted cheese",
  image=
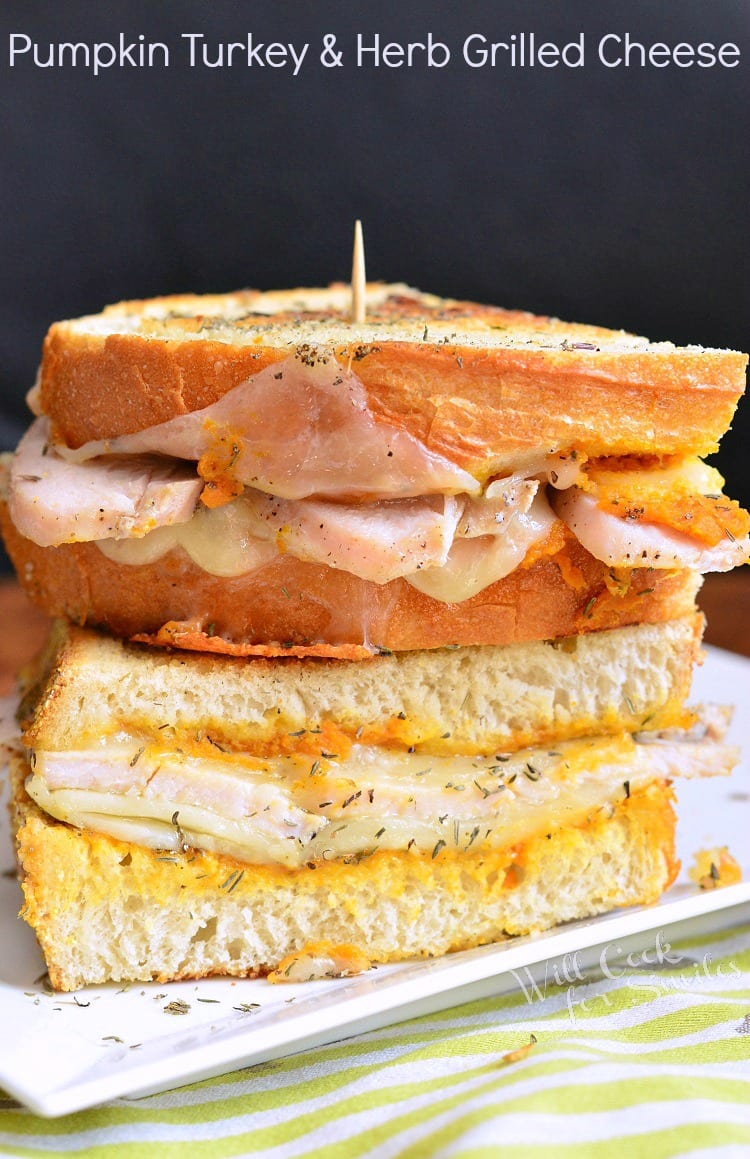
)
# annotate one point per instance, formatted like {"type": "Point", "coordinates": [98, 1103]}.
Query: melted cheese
{"type": "Point", "coordinates": [291, 810]}
{"type": "Point", "coordinates": [413, 538]}
{"type": "Point", "coordinates": [473, 564]}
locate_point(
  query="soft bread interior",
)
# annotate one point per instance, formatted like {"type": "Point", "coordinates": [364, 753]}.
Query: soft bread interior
{"type": "Point", "coordinates": [462, 700]}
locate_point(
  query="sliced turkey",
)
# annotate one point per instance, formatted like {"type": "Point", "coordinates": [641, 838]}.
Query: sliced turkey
{"type": "Point", "coordinates": [300, 427]}
{"type": "Point", "coordinates": [378, 541]}
{"type": "Point", "coordinates": [637, 543]}
{"type": "Point", "coordinates": [52, 501]}
{"type": "Point", "coordinates": [287, 810]}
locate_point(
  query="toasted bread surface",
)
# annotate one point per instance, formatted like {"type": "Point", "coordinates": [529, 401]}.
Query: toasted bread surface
{"type": "Point", "coordinates": [474, 383]}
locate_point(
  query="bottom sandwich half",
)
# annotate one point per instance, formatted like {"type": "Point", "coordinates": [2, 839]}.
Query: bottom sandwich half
{"type": "Point", "coordinates": [105, 909]}
{"type": "Point", "coordinates": [178, 816]}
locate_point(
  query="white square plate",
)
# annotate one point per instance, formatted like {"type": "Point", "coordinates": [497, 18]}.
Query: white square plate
{"type": "Point", "coordinates": [62, 1053]}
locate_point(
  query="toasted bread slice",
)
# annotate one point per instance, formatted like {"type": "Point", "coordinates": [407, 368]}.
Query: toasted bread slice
{"type": "Point", "coordinates": [88, 687]}
{"type": "Point", "coordinates": [474, 383]}
{"type": "Point", "coordinates": [301, 608]}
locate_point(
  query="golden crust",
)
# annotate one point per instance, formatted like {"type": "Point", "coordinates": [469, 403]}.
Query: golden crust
{"type": "Point", "coordinates": [294, 603]}
{"type": "Point", "coordinates": [68, 874]}
{"type": "Point", "coordinates": [193, 639]}
{"type": "Point", "coordinates": [477, 390]}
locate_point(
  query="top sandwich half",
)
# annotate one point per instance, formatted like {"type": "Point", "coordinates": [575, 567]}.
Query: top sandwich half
{"type": "Point", "coordinates": [440, 445]}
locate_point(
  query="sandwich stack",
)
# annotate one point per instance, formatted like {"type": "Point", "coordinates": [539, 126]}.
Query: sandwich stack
{"type": "Point", "coordinates": [373, 639]}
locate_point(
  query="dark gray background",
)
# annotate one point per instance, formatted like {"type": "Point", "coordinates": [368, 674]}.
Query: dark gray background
{"type": "Point", "coordinates": [614, 196]}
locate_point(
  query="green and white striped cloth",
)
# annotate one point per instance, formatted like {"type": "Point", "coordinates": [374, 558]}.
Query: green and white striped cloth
{"type": "Point", "coordinates": [648, 1058]}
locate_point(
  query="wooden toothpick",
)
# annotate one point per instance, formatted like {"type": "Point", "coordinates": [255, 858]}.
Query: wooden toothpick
{"type": "Point", "coordinates": [359, 279]}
